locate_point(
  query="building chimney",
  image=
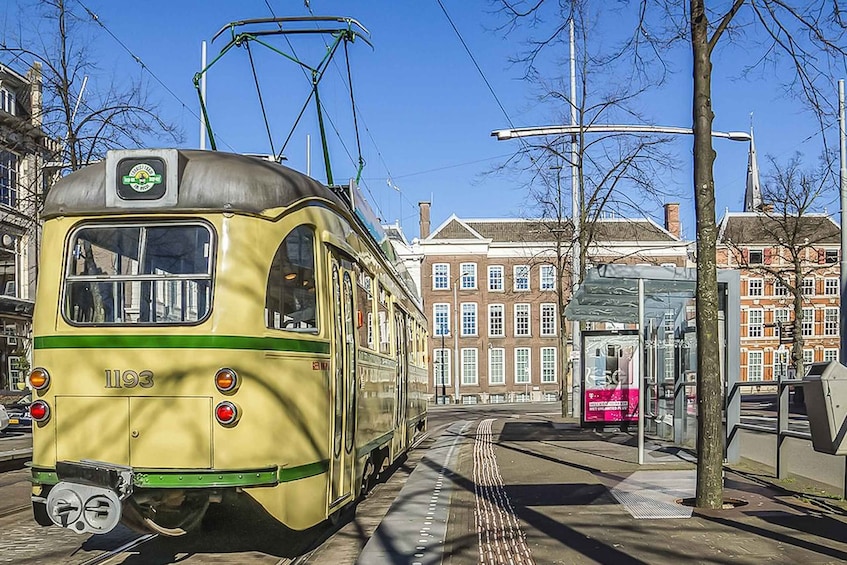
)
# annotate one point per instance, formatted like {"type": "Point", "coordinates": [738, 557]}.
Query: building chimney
{"type": "Point", "coordinates": [672, 219]}
{"type": "Point", "coordinates": [424, 206]}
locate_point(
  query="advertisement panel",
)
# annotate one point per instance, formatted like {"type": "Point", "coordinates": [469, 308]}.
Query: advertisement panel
{"type": "Point", "coordinates": [610, 377]}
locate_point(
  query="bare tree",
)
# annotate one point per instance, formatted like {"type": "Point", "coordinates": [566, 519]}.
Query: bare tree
{"type": "Point", "coordinates": [112, 112]}
{"type": "Point", "coordinates": [792, 194]}
{"type": "Point", "coordinates": [804, 44]}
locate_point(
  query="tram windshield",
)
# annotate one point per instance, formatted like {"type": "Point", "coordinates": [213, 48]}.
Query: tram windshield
{"type": "Point", "coordinates": [139, 274]}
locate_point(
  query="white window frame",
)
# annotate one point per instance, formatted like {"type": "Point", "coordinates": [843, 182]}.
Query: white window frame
{"type": "Point", "coordinates": [547, 277]}
{"type": "Point", "coordinates": [781, 358]}
{"type": "Point", "coordinates": [496, 283]}
{"type": "Point", "coordinates": [496, 367]}
{"type": "Point", "coordinates": [500, 310]}
{"type": "Point", "coordinates": [470, 366]}
{"type": "Point", "coordinates": [755, 366]}
{"type": "Point", "coordinates": [521, 276]}
{"type": "Point", "coordinates": [444, 307]}
{"type": "Point", "coordinates": [808, 288]}
{"type": "Point", "coordinates": [808, 326]}
{"type": "Point", "coordinates": [761, 253]}
{"type": "Point", "coordinates": [808, 358]}
{"type": "Point", "coordinates": [441, 363]}
{"type": "Point", "coordinates": [830, 321]}
{"type": "Point", "coordinates": [468, 278]}
{"type": "Point", "coordinates": [548, 319]}
{"type": "Point", "coordinates": [779, 289]}
{"type": "Point", "coordinates": [755, 287]}
{"type": "Point", "coordinates": [549, 366]}
{"type": "Point", "coordinates": [523, 320]}
{"type": "Point", "coordinates": [831, 286]}
{"type": "Point", "coordinates": [469, 319]}
{"type": "Point", "coordinates": [441, 280]}
{"type": "Point", "coordinates": [830, 354]}
{"type": "Point", "coordinates": [523, 369]}
{"type": "Point", "coordinates": [755, 322]}
{"type": "Point", "coordinates": [10, 163]}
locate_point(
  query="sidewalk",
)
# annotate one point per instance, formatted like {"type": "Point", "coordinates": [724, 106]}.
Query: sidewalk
{"type": "Point", "coordinates": [541, 490]}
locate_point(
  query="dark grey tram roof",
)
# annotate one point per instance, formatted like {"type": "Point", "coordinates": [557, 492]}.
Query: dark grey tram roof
{"type": "Point", "coordinates": [207, 181]}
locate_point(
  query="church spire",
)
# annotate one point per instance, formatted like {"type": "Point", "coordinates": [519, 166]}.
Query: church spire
{"type": "Point", "coordinates": [753, 194]}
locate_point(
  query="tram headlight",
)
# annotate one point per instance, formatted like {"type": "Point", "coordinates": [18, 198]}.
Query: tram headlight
{"type": "Point", "coordinates": [40, 411]}
{"type": "Point", "coordinates": [226, 380]}
{"type": "Point", "coordinates": [226, 413]}
{"type": "Point", "coordinates": [39, 378]}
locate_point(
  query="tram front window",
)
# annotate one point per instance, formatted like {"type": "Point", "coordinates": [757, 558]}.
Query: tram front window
{"type": "Point", "coordinates": [140, 274]}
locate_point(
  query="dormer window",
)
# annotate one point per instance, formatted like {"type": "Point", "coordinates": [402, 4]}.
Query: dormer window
{"type": "Point", "coordinates": [831, 256]}
{"type": "Point", "coordinates": [756, 257]}
{"type": "Point", "coordinates": [7, 100]}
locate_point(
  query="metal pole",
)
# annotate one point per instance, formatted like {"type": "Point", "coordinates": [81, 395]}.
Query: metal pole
{"type": "Point", "coordinates": [843, 190]}
{"type": "Point", "coordinates": [640, 371]}
{"type": "Point", "coordinates": [441, 362]}
{"type": "Point", "coordinates": [203, 93]}
{"type": "Point", "coordinates": [576, 219]}
{"type": "Point", "coordinates": [456, 339]}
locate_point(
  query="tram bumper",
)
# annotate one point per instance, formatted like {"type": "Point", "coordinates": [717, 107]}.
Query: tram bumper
{"type": "Point", "coordinates": [88, 497]}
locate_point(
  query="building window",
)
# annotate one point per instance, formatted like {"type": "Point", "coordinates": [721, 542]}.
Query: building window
{"type": "Point", "coordinates": [780, 317]}
{"type": "Point", "coordinates": [808, 358]}
{"type": "Point", "coordinates": [495, 278]}
{"type": "Point", "coordinates": [830, 321]}
{"type": "Point", "coordinates": [548, 364]}
{"type": "Point", "coordinates": [521, 273]}
{"type": "Point", "coordinates": [808, 322]}
{"type": "Point", "coordinates": [548, 319]}
{"type": "Point", "coordinates": [7, 101]}
{"type": "Point", "coordinates": [780, 364]}
{"type": "Point", "coordinates": [755, 287]}
{"type": "Point", "coordinates": [809, 286]}
{"type": "Point", "coordinates": [754, 365]}
{"type": "Point", "coordinates": [470, 375]}
{"type": "Point", "coordinates": [831, 256]}
{"type": "Point", "coordinates": [8, 179]}
{"type": "Point", "coordinates": [831, 286]}
{"type": "Point", "coordinates": [495, 320]}
{"type": "Point", "coordinates": [441, 276]}
{"type": "Point", "coordinates": [830, 355]}
{"type": "Point", "coordinates": [779, 289]}
{"type": "Point", "coordinates": [522, 319]}
{"type": "Point", "coordinates": [441, 319]}
{"type": "Point", "coordinates": [547, 277]}
{"type": "Point", "coordinates": [441, 358]}
{"type": "Point", "coordinates": [469, 318]}
{"type": "Point", "coordinates": [755, 257]}
{"type": "Point", "coordinates": [468, 276]}
{"type": "Point", "coordinates": [522, 365]}
{"type": "Point", "coordinates": [755, 322]}
{"type": "Point", "coordinates": [496, 366]}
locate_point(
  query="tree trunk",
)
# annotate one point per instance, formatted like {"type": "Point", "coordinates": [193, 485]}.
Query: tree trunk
{"type": "Point", "coordinates": [709, 395]}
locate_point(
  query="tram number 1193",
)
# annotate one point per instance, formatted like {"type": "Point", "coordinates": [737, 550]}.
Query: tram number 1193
{"type": "Point", "coordinates": [128, 379]}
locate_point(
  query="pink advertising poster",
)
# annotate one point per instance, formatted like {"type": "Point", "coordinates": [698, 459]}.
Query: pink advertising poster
{"type": "Point", "coordinates": [611, 378]}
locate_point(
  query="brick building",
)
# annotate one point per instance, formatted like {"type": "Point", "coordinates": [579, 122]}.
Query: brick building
{"type": "Point", "coordinates": [490, 290]}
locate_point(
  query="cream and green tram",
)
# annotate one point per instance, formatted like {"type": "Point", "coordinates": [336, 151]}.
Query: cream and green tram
{"type": "Point", "coordinates": [211, 326]}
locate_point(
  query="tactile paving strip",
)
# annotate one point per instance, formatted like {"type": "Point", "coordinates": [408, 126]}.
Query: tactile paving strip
{"type": "Point", "coordinates": [653, 494]}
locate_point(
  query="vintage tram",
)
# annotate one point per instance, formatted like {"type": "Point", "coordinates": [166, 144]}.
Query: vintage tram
{"type": "Point", "coordinates": [212, 326]}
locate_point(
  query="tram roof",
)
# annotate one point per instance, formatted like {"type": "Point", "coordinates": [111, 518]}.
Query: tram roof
{"type": "Point", "coordinates": [206, 181]}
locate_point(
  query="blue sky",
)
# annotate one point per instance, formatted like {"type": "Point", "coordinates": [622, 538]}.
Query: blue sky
{"type": "Point", "coordinates": [425, 112]}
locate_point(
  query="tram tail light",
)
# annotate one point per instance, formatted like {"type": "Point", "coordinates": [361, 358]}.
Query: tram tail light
{"type": "Point", "coordinates": [40, 411]}
{"type": "Point", "coordinates": [226, 380]}
{"type": "Point", "coordinates": [39, 378]}
{"type": "Point", "coordinates": [226, 413]}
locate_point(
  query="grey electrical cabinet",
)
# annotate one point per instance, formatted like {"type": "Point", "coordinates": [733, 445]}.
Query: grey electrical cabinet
{"type": "Point", "coordinates": [825, 386]}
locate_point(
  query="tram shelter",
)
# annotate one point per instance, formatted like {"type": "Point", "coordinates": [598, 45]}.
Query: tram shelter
{"type": "Point", "coordinates": [648, 350]}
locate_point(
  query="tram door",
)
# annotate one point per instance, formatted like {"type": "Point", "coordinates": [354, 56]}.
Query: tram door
{"type": "Point", "coordinates": [343, 386]}
{"type": "Point", "coordinates": [402, 378]}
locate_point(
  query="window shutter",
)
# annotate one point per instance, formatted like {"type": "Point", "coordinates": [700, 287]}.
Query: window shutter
{"type": "Point", "coordinates": [821, 256]}
{"type": "Point", "coordinates": [768, 254]}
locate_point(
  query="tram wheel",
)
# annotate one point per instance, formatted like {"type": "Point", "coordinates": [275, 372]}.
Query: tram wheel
{"type": "Point", "coordinates": [166, 520]}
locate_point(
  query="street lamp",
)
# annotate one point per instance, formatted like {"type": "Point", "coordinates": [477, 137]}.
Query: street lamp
{"type": "Point", "coordinates": [441, 366]}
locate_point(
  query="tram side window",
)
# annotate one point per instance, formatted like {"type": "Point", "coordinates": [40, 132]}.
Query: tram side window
{"type": "Point", "coordinates": [291, 301]}
{"type": "Point", "coordinates": [141, 274]}
{"type": "Point", "coordinates": [382, 319]}
{"type": "Point", "coordinates": [366, 304]}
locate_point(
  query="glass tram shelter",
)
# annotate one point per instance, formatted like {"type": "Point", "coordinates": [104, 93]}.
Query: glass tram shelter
{"type": "Point", "coordinates": [651, 347]}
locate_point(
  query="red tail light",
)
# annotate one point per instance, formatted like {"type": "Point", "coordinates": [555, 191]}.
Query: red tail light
{"type": "Point", "coordinates": [39, 410]}
{"type": "Point", "coordinates": [226, 413]}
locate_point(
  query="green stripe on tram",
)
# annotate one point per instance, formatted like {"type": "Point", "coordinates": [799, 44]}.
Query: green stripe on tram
{"type": "Point", "coordinates": [288, 474]}
{"type": "Point", "coordinates": [180, 342]}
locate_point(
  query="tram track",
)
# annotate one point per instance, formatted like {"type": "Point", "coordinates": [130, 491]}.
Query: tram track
{"type": "Point", "coordinates": [14, 510]}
